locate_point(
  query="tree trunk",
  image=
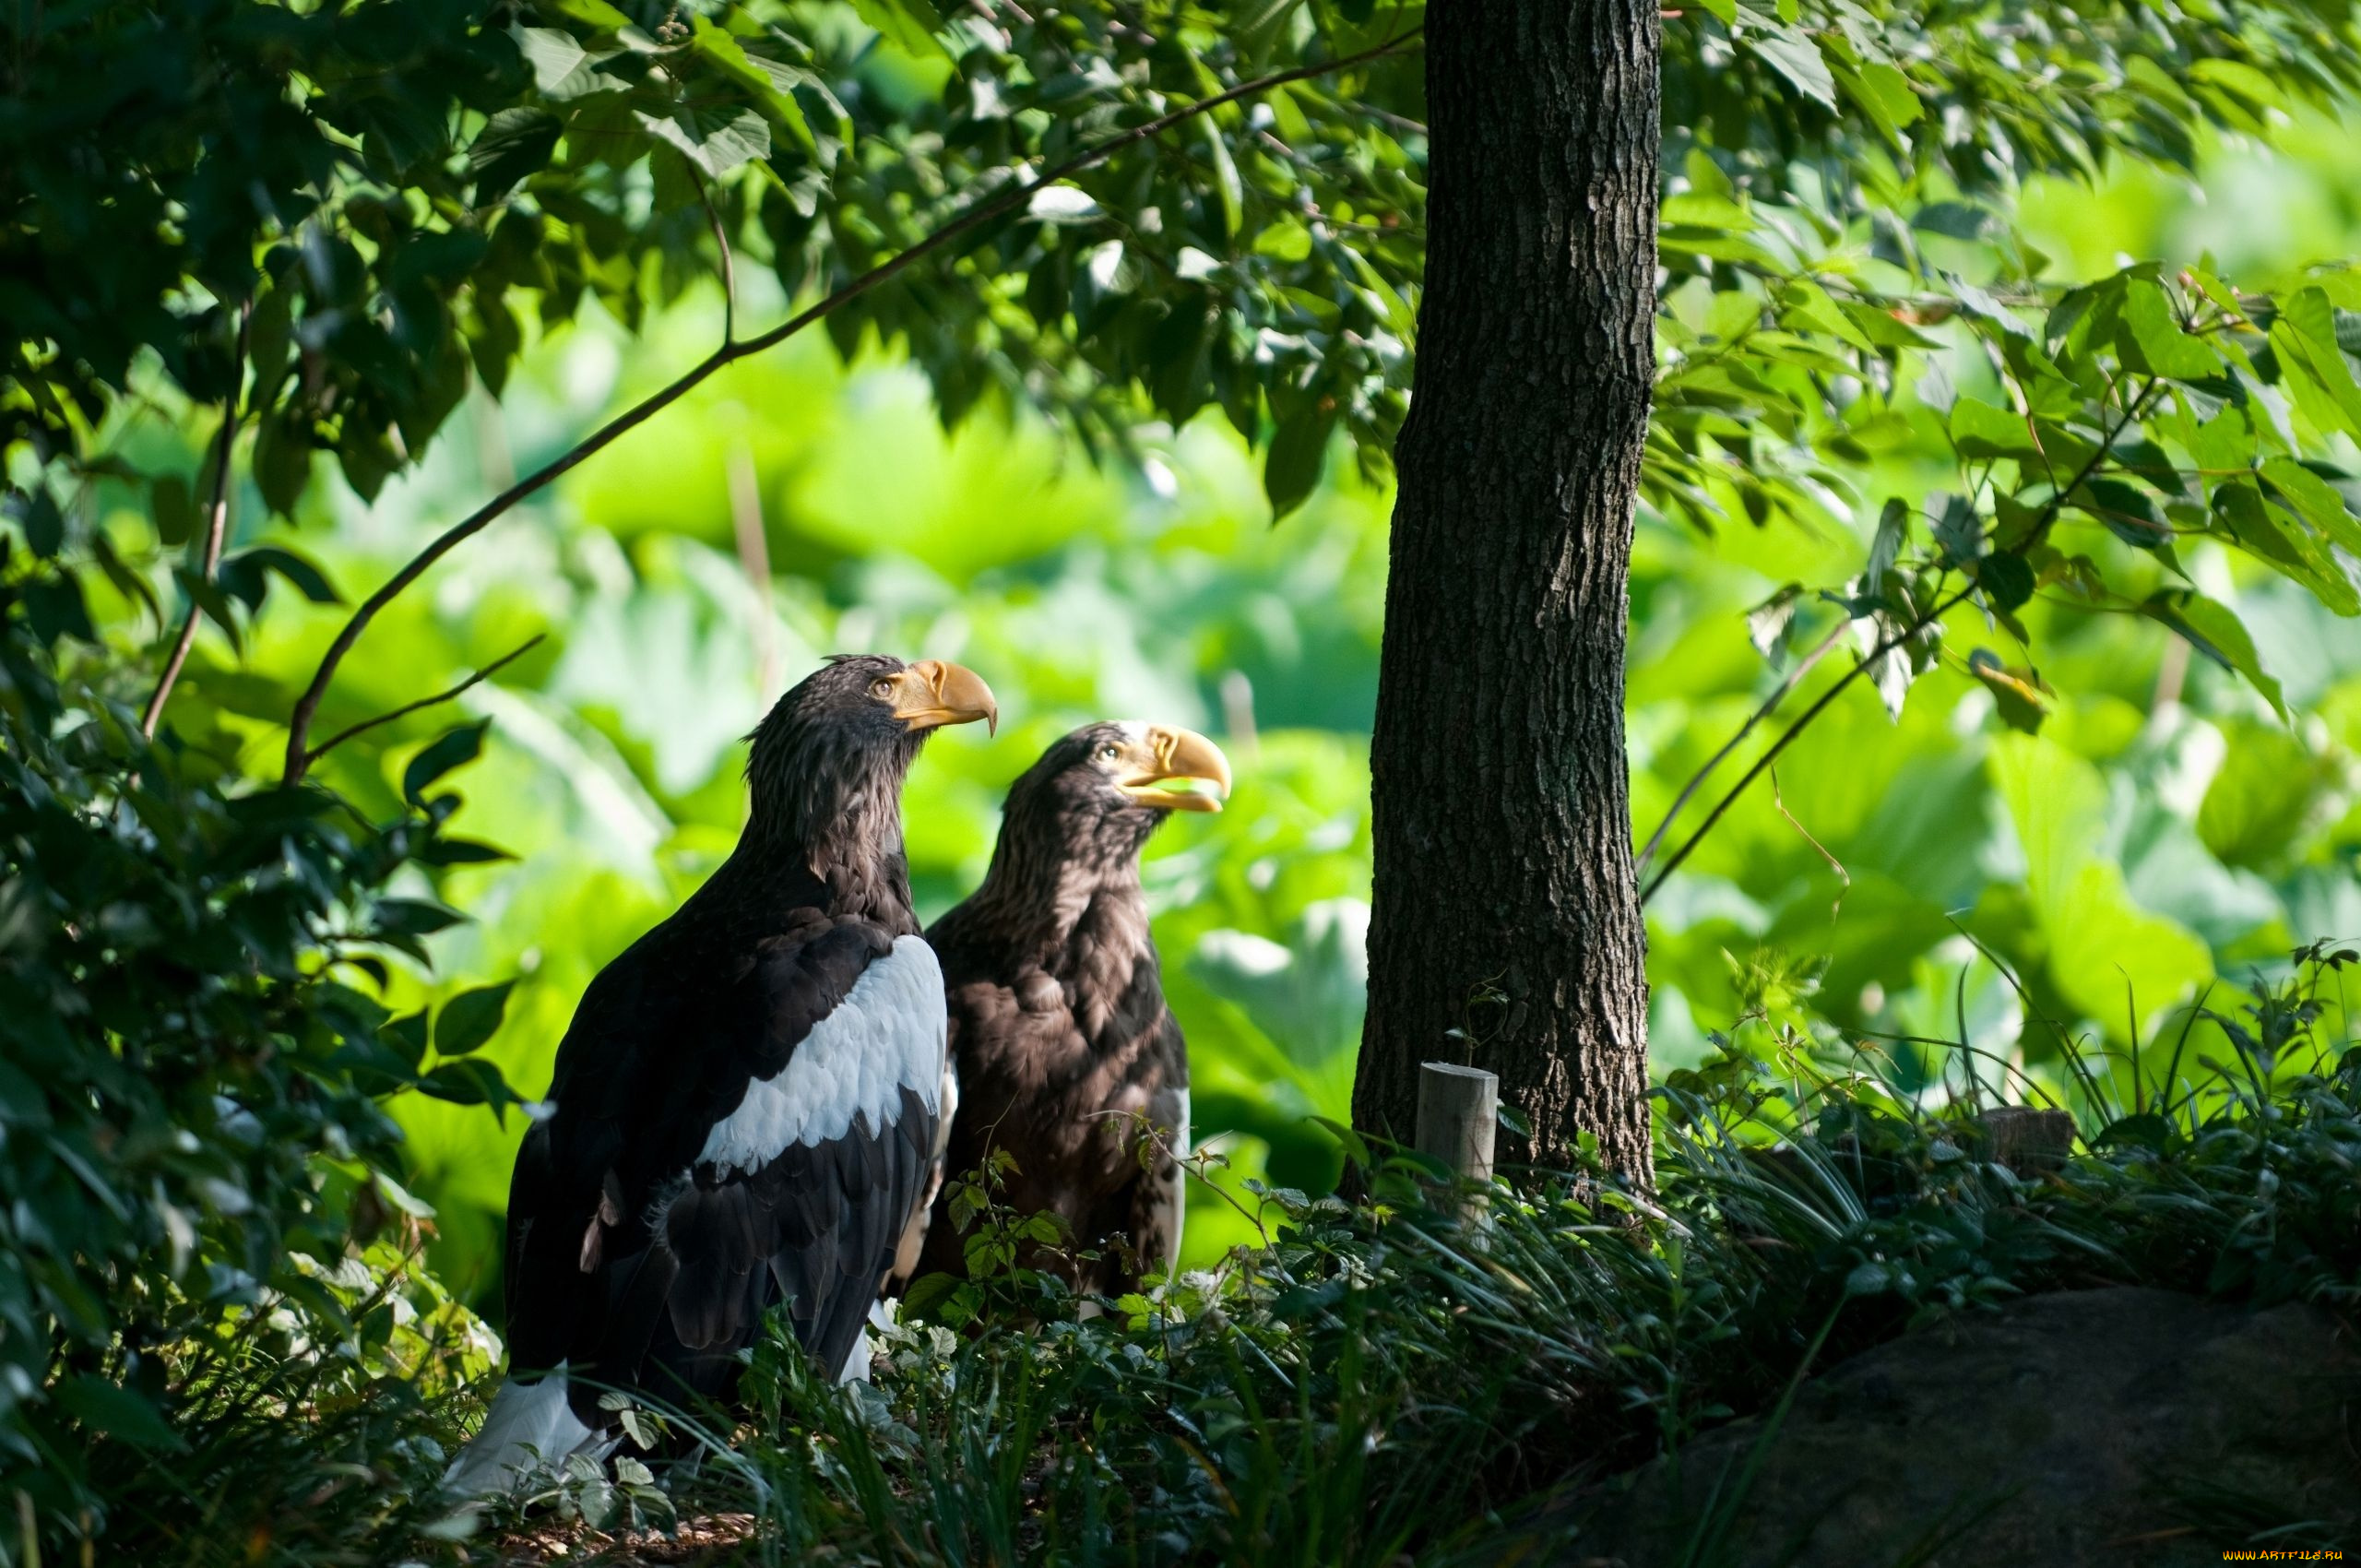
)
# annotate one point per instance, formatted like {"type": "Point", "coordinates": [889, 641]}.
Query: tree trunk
{"type": "Point", "coordinates": [1503, 833]}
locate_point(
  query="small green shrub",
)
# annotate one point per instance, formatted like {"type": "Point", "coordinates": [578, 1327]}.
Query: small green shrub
{"type": "Point", "coordinates": [195, 1168]}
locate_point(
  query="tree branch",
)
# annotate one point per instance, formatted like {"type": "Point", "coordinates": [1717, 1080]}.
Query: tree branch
{"type": "Point", "coordinates": [299, 721]}
{"type": "Point", "coordinates": [486, 673]}
{"type": "Point", "coordinates": [217, 524]}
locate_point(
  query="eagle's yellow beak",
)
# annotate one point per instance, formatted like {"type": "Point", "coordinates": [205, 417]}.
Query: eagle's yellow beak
{"type": "Point", "coordinates": [935, 692]}
{"type": "Point", "coordinates": [1165, 754]}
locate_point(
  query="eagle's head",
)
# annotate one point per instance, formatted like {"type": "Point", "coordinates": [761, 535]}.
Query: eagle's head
{"type": "Point", "coordinates": [831, 755]}
{"type": "Point", "coordinates": [1099, 792]}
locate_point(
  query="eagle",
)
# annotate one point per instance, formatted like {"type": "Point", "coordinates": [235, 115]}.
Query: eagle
{"type": "Point", "coordinates": [1066, 1053]}
{"type": "Point", "coordinates": [749, 1103]}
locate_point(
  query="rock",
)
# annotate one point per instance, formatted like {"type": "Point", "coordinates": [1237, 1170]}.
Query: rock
{"type": "Point", "coordinates": [2093, 1429]}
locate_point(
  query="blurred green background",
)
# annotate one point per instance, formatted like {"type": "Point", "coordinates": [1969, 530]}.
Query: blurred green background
{"type": "Point", "coordinates": [2162, 830]}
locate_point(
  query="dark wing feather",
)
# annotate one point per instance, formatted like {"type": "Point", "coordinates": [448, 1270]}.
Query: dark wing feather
{"type": "Point", "coordinates": [639, 1266]}
{"type": "Point", "coordinates": [1055, 1067]}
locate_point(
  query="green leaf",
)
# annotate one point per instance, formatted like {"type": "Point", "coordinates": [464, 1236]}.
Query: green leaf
{"type": "Point", "coordinates": [460, 746]}
{"type": "Point", "coordinates": [2262, 797]}
{"type": "Point", "coordinates": [2100, 940]}
{"type": "Point", "coordinates": [1233, 197]}
{"type": "Point", "coordinates": [2215, 631]}
{"type": "Point", "coordinates": [1885, 546]}
{"type": "Point", "coordinates": [443, 258]}
{"type": "Point", "coordinates": [270, 336]}
{"type": "Point", "coordinates": [2313, 499]}
{"type": "Point", "coordinates": [2019, 696]}
{"type": "Point", "coordinates": [1795, 56]}
{"type": "Point", "coordinates": [412, 917]}
{"type": "Point", "coordinates": [207, 595]}
{"type": "Point", "coordinates": [1291, 468]}
{"type": "Point", "coordinates": [513, 144]}
{"type": "Point", "coordinates": [367, 457]}
{"type": "Point", "coordinates": [926, 1292]}
{"type": "Point", "coordinates": [2236, 76]}
{"type": "Point", "coordinates": [1981, 431]}
{"type": "Point", "coordinates": [1258, 26]}
{"type": "Point", "coordinates": [468, 1081]}
{"type": "Point", "coordinates": [2007, 579]}
{"type": "Point", "coordinates": [552, 53]}
{"type": "Point", "coordinates": [911, 24]}
{"type": "Point", "coordinates": [2152, 340]}
{"type": "Point", "coordinates": [1880, 327]}
{"type": "Point", "coordinates": [172, 508]}
{"type": "Point", "coordinates": [307, 578]}
{"type": "Point", "coordinates": [471, 1019]}
{"type": "Point", "coordinates": [1885, 91]}
{"type": "Point", "coordinates": [282, 463]}
{"type": "Point", "coordinates": [2268, 532]}
{"type": "Point", "coordinates": [44, 524]}
{"type": "Point", "coordinates": [2130, 513]}
{"type": "Point", "coordinates": [110, 1410]}
{"type": "Point", "coordinates": [406, 1037]}
{"type": "Point", "coordinates": [727, 55]}
{"type": "Point", "coordinates": [461, 852]}
{"type": "Point", "coordinates": [2305, 338]}
{"type": "Point", "coordinates": [715, 137]}
{"type": "Point", "coordinates": [599, 14]}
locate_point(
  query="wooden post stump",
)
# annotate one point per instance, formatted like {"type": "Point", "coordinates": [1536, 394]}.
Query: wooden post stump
{"type": "Point", "coordinates": [2029, 1141]}
{"type": "Point", "coordinates": [1459, 1111]}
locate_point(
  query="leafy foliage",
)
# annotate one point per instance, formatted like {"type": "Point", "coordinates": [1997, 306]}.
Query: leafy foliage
{"type": "Point", "coordinates": [1367, 1381]}
{"type": "Point", "coordinates": [189, 1098]}
{"type": "Point", "coordinates": [1879, 399]}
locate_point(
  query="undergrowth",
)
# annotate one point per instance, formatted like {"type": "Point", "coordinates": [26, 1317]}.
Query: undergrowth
{"type": "Point", "coordinates": [1378, 1380]}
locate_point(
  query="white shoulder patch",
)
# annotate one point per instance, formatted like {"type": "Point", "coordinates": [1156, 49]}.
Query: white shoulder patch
{"type": "Point", "coordinates": [887, 1034]}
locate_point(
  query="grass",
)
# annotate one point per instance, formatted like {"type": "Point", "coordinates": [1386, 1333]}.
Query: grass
{"type": "Point", "coordinates": [1374, 1384]}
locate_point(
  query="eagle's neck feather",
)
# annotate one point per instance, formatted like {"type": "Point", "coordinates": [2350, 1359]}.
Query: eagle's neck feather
{"type": "Point", "coordinates": [833, 811]}
{"type": "Point", "coordinates": [1038, 902]}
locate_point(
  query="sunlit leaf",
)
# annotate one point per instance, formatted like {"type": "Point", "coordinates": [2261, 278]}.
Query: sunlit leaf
{"type": "Point", "coordinates": [2214, 630]}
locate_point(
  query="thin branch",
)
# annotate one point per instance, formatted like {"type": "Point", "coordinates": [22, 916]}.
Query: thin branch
{"type": "Point", "coordinates": [728, 263]}
{"type": "Point", "coordinates": [1697, 782]}
{"type": "Point", "coordinates": [217, 524]}
{"type": "Point", "coordinates": [2090, 466]}
{"type": "Point", "coordinates": [1868, 661]}
{"type": "Point", "coordinates": [1843, 877]}
{"type": "Point", "coordinates": [299, 721]}
{"type": "Point", "coordinates": [486, 673]}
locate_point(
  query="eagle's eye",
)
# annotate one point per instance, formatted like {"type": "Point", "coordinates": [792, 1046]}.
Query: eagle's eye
{"type": "Point", "coordinates": [881, 688]}
{"type": "Point", "coordinates": [1109, 751]}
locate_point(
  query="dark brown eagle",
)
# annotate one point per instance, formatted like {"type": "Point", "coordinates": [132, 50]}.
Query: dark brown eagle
{"type": "Point", "coordinates": [1059, 1031]}
{"type": "Point", "coordinates": [746, 1111]}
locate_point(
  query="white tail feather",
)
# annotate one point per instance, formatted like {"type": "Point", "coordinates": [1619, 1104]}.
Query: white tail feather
{"type": "Point", "coordinates": [529, 1428]}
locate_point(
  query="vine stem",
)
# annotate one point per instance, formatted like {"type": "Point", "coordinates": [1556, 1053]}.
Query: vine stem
{"type": "Point", "coordinates": [1017, 195]}
{"type": "Point", "coordinates": [217, 524]}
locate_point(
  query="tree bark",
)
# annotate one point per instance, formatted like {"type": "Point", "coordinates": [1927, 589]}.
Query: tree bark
{"type": "Point", "coordinates": [1504, 834]}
